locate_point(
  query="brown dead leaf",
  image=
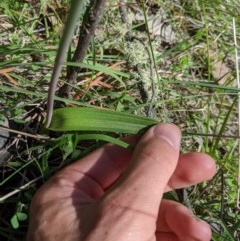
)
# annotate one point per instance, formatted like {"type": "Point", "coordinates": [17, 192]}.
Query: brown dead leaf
{"type": "Point", "coordinates": [5, 72]}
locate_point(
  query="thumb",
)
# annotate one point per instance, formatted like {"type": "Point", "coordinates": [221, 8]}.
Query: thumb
{"type": "Point", "coordinates": [154, 160]}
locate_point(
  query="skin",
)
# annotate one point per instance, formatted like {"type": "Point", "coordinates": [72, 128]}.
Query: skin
{"type": "Point", "coordinates": [116, 194]}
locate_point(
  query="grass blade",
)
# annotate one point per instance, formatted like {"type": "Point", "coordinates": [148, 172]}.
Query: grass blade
{"type": "Point", "coordinates": [102, 137]}
{"type": "Point", "coordinates": [91, 119]}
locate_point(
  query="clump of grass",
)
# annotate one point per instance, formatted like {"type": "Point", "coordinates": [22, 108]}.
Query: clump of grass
{"type": "Point", "coordinates": [187, 92]}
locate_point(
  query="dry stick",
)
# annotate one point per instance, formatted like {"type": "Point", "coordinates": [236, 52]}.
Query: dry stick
{"type": "Point", "coordinates": [23, 187]}
{"type": "Point", "coordinates": [37, 137]}
{"type": "Point", "coordinates": [89, 24]}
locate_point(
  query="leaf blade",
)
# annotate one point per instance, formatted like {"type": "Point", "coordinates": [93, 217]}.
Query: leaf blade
{"type": "Point", "coordinates": [92, 119]}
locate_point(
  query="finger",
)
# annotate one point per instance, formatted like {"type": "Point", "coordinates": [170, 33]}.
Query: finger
{"type": "Point", "coordinates": [175, 218]}
{"type": "Point", "coordinates": [166, 236]}
{"type": "Point", "coordinates": [103, 165]}
{"type": "Point", "coordinates": [191, 169]}
{"type": "Point", "coordinates": [154, 160]}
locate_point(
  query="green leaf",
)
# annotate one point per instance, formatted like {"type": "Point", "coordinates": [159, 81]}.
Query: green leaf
{"type": "Point", "coordinates": [106, 138]}
{"type": "Point", "coordinates": [21, 216]}
{"type": "Point", "coordinates": [91, 119]}
{"type": "Point", "coordinates": [101, 68]}
{"type": "Point", "coordinates": [14, 222]}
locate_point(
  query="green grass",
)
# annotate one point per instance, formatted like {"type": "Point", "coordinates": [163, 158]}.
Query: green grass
{"type": "Point", "coordinates": [187, 91]}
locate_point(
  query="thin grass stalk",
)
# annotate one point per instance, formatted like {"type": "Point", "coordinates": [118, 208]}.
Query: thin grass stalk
{"type": "Point", "coordinates": [208, 73]}
{"type": "Point", "coordinates": [237, 58]}
{"type": "Point", "coordinates": [76, 10]}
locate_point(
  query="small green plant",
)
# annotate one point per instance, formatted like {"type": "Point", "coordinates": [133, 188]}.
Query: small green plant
{"type": "Point", "coordinates": [19, 216]}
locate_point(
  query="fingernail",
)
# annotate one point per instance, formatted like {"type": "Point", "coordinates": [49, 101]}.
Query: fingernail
{"type": "Point", "coordinates": [170, 133]}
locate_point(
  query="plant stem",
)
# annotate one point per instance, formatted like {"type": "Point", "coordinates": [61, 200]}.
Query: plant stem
{"type": "Point", "coordinates": [89, 24]}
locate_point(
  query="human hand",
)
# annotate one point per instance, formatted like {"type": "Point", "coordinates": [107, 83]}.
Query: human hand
{"type": "Point", "coordinates": [116, 194]}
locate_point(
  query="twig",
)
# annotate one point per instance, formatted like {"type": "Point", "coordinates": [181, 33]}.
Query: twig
{"type": "Point", "coordinates": [38, 137]}
{"type": "Point", "coordinates": [19, 189]}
